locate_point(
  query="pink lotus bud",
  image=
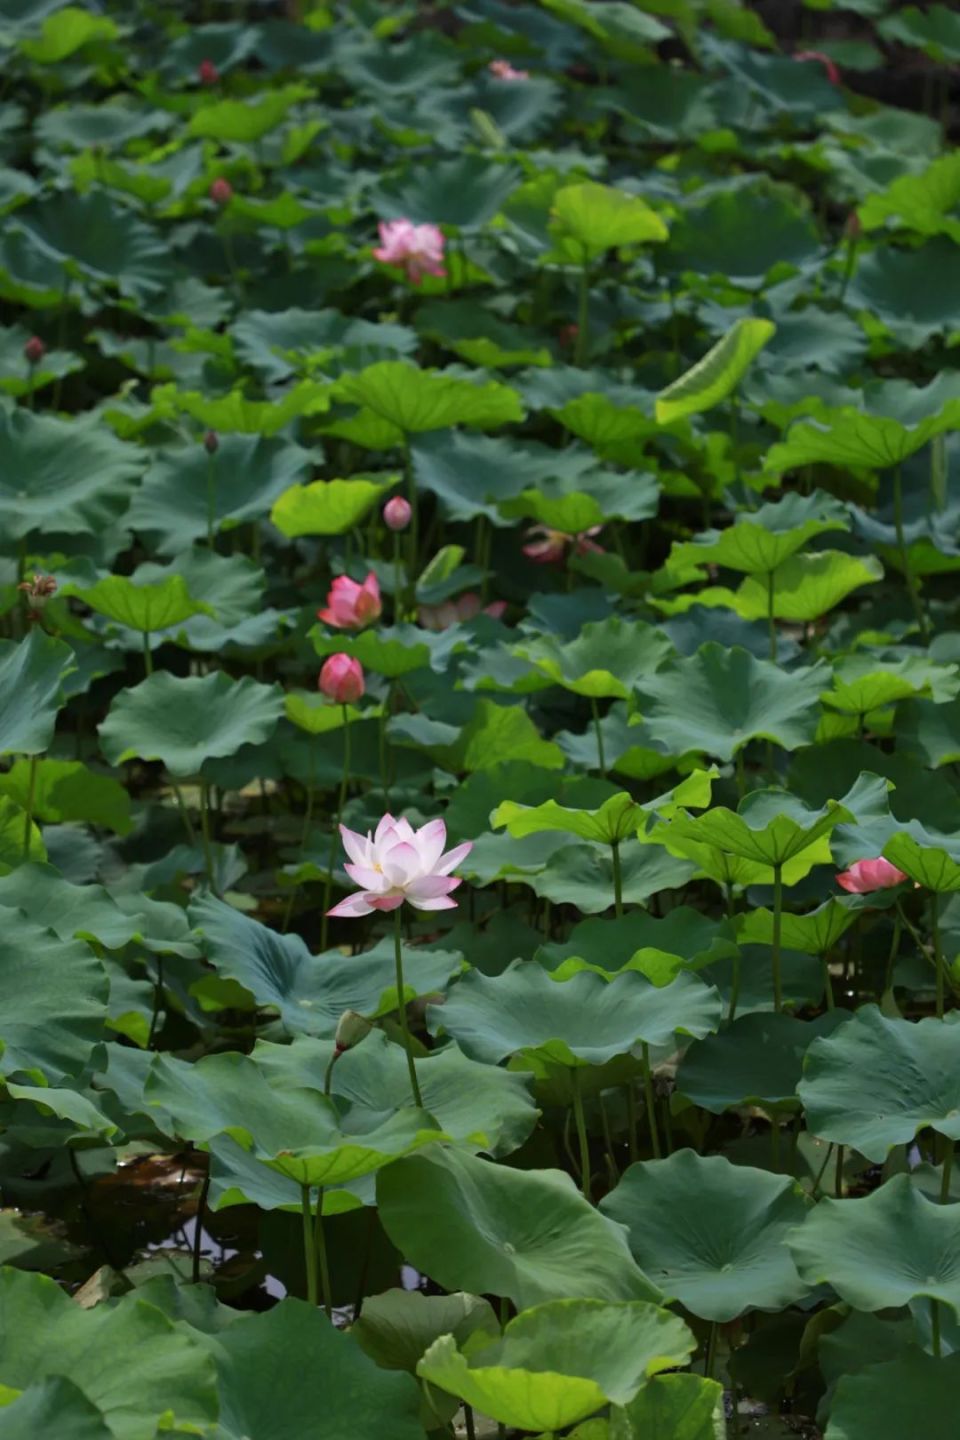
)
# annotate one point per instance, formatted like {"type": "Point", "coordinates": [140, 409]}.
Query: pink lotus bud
{"type": "Point", "coordinates": [211, 442]}
{"type": "Point", "coordinates": [207, 73]}
{"type": "Point", "coordinates": [221, 191]}
{"type": "Point", "coordinates": [351, 606]}
{"type": "Point", "coordinates": [833, 74]}
{"type": "Point", "coordinates": [34, 350]}
{"type": "Point", "coordinates": [341, 679]}
{"type": "Point", "coordinates": [397, 513]}
{"type": "Point", "coordinates": [869, 875]}
{"type": "Point", "coordinates": [853, 229]}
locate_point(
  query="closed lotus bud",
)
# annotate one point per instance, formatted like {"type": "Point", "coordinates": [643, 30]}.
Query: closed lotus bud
{"type": "Point", "coordinates": [34, 350]}
{"type": "Point", "coordinates": [397, 513]}
{"type": "Point", "coordinates": [351, 1029]}
{"type": "Point", "coordinates": [221, 191]}
{"type": "Point", "coordinates": [211, 442]}
{"type": "Point", "coordinates": [853, 228]}
{"type": "Point", "coordinates": [207, 73]}
{"type": "Point", "coordinates": [341, 679]}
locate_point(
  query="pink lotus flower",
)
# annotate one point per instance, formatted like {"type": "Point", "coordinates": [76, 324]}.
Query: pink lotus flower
{"type": "Point", "coordinates": [505, 71]}
{"type": "Point", "coordinates": [868, 875]}
{"type": "Point", "coordinates": [351, 606]}
{"type": "Point", "coordinates": [833, 73]}
{"type": "Point", "coordinates": [552, 545]}
{"type": "Point", "coordinates": [341, 679]}
{"type": "Point", "coordinates": [207, 73]}
{"type": "Point", "coordinates": [418, 249]}
{"type": "Point", "coordinates": [399, 863]}
{"type": "Point", "coordinates": [455, 612]}
{"type": "Point", "coordinates": [397, 513]}
{"type": "Point", "coordinates": [221, 191]}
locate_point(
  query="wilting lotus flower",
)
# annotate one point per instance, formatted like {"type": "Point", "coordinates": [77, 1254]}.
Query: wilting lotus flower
{"type": "Point", "coordinates": [341, 679]}
{"type": "Point", "coordinates": [868, 875]}
{"type": "Point", "coordinates": [833, 74]}
{"type": "Point", "coordinates": [550, 546]}
{"type": "Point", "coordinates": [505, 71]}
{"type": "Point", "coordinates": [418, 249]}
{"type": "Point", "coordinates": [399, 863]}
{"type": "Point", "coordinates": [351, 606]}
{"type": "Point", "coordinates": [454, 612]}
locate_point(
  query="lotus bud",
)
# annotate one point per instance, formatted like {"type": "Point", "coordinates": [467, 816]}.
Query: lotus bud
{"type": "Point", "coordinates": [221, 191]}
{"type": "Point", "coordinates": [397, 513]}
{"type": "Point", "coordinates": [211, 442]}
{"type": "Point", "coordinates": [351, 1029]}
{"type": "Point", "coordinates": [341, 679]}
{"type": "Point", "coordinates": [207, 73]}
{"type": "Point", "coordinates": [34, 350]}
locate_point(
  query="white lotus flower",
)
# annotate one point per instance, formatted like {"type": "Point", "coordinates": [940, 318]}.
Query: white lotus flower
{"type": "Point", "coordinates": [399, 863]}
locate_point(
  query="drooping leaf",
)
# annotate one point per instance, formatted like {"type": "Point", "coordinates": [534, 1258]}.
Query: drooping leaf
{"type": "Point", "coordinates": [714, 377]}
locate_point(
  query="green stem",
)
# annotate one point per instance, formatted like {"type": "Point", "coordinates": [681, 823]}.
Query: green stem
{"type": "Point", "coordinates": [617, 879]}
{"type": "Point", "coordinates": [945, 1176]}
{"type": "Point", "coordinates": [398, 585]}
{"type": "Point", "coordinates": [402, 1008]}
{"type": "Point", "coordinates": [328, 1073]}
{"type": "Point", "coordinates": [771, 621]}
{"type": "Point", "coordinates": [147, 653]}
{"type": "Point", "coordinates": [31, 796]}
{"type": "Point", "coordinates": [181, 806]}
{"type": "Point", "coordinates": [320, 1250]}
{"type": "Point", "coordinates": [157, 1003]}
{"type": "Point", "coordinates": [827, 982]}
{"type": "Point", "coordinates": [892, 957]}
{"type": "Point", "coordinates": [205, 833]}
{"type": "Point", "coordinates": [414, 530]}
{"type": "Point", "coordinates": [581, 1124]}
{"type": "Point", "coordinates": [849, 264]}
{"type": "Point", "coordinates": [838, 1174]}
{"type": "Point", "coordinates": [198, 1226]}
{"type": "Point", "coordinates": [211, 499]}
{"type": "Point", "coordinates": [335, 836]}
{"type": "Point", "coordinates": [937, 949]}
{"type": "Point", "coordinates": [734, 989]}
{"type": "Point", "coordinates": [710, 1359]}
{"type": "Point", "coordinates": [651, 1102]}
{"type": "Point", "coordinates": [582, 346]}
{"type": "Point", "coordinates": [741, 775]}
{"type": "Point", "coordinates": [820, 1173]}
{"type": "Point", "coordinates": [777, 909]}
{"type": "Point", "coordinates": [309, 1244]}
{"type": "Point", "coordinates": [935, 1327]}
{"type": "Point", "coordinates": [601, 757]}
{"type": "Point", "coordinates": [912, 591]}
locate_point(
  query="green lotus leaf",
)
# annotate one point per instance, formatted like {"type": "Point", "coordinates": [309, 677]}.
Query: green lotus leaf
{"type": "Point", "coordinates": [479, 337]}
{"type": "Point", "coordinates": [100, 239]}
{"type": "Point", "coordinates": [883, 1250]}
{"type": "Point", "coordinates": [856, 439]}
{"type": "Point", "coordinates": [878, 1081]}
{"type": "Point", "coordinates": [466, 191]}
{"type": "Point", "coordinates": [67, 790]}
{"type": "Point", "coordinates": [888, 1400]}
{"type": "Point", "coordinates": [19, 842]}
{"type": "Point", "coordinates": [390, 651]}
{"type": "Point", "coordinates": [930, 731]}
{"type": "Point", "coordinates": [472, 474]}
{"type": "Point", "coordinates": [760, 541]}
{"type": "Point", "coordinates": [746, 231]}
{"type": "Point", "coordinates": [607, 658]}
{"type": "Point", "coordinates": [582, 875]}
{"type": "Point", "coordinates": [327, 507]}
{"type": "Point", "coordinates": [611, 22]}
{"type": "Point", "coordinates": [923, 203]}
{"type": "Point", "coordinates": [888, 286]}
{"type": "Point", "coordinates": [585, 1020]}
{"type": "Point", "coordinates": [185, 721]}
{"type": "Point", "coordinates": [672, 1407]}
{"type": "Point", "coordinates": [310, 997]}
{"type": "Point", "coordinates": [242, 121]}
{"type": "Point", "coordinates": [862, 683]}
{"type": "Point", "coordinates": [613, 821]}
{"type": "Point", "coordinates": [588, 219]}
{"type": "Point", "coordinates": [317, 715]}
{"type": "Point", "coordinates": [297, 1131]}
{"type": "Point", "coordinates": [757, 1060]}
{"type": "Point", "coordinates": [277, 344]}
{"type": "Point", "coordinates": [61, 991]}
{"type": "Point", "coordinates": [93, 913]}
{"type": "Point", "coordinates": [66, 32]}
{"type": "Point", "coordinates": [559, 1362]}
{"type": "Point", "coordinates": [925, 862]}
{"type": "Point", "coordinates": [55, 1406]}
{"type": "Point", "coordinates": [236, 412]}
{"type": "Point", "coordinates": [684, 939]}
{"type": "Point", "coordinates": [716, 701]}
{"type": "Point", "coordinates": [476, 1104]}
{"type": "Point", "coordinates": [141, 604]}
{"type": "Point", "coordinates": [248, 473]}
{"type": "Point", "coordinates": [84, 1117]}
{"type": "Point", "coordinates": [717, 374]}
{"type": "Point", "coordinates": [612, 428]}
{"type": "Point", "coordinates": [935, 31]}
{"type": "Point", "coordinates": [815, 933]}
{"type": "Point", "coordinates": [803, 588]}
{"type": "Point", "coordinates": [31, 678]}
{"type": "Point", "coordinates": [397, 1327]}
{"type": "Point", "coordinates": [415, 400]}
{"type": "Point", "coordinates": [131, 1362]}
{"type": "Point", "coordinates": [17, 377]}
{"type": "Point", "coordinates": [772, 826]}
{"type": "Point", "coordinates": [526, 1234]}
{"type": "Point", "coordinates": [62, 477]}
{"type": "Point", "coordinates": [712, 1233]}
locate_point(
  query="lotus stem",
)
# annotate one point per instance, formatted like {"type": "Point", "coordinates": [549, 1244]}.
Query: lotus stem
{"type": "Point", "coordinates": [777, 909]}
{"type": "Point", "coordinates": [771, 621]}
{"type": "Point", "coordinates": [710, 1358]}
{"type": "Point", "coordinates": [157, 1003]}
{"type": "Point", "coordinates": [937, 949]}
{"type": "Point", "coordinates": [601, 757]}
{"type": "Point", "coordinates": [198, 1226]}
{"type": "Point", "coordinates": [320, 1250]}
{"type": "Point", "coordinates": [205, 834]}
{"type": "Point", "coordinates": [935, 1327]}
{"type": "Point", "coordinates": [581, 350]}
{"type": "Point", "coordinates": [309, 1244]}
{"type": "Point", "coordinates": [651, 1103]}
{"type": "Point", "coordinates": [341, 800]}
{"type": "Point", "coordinates": [912, 591]}
{"type": "Point", "coordinates": [838, 1175]}
{"type": "Point", "coordinates": [402, 1008]}
{"type": "Point", "coordinates": [617, 879]}
{"type": "Point", "coordinates": [31, 797]}
{"type": "Point", "coordinates": [211, 498]}
{"type": "Point", "coordinates": [581, 1124]}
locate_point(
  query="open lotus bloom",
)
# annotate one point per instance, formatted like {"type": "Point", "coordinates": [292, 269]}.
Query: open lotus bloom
{"type": "Point", "coordinates": [417, 248]}
{"type": "Point", "coordinates": [547, 547]}
{"type": "Point", "coordinates": [868, 875]}
{"type": "Point", "coordinates": [399, 863]}
{"type": "Point", "coordinates": [351, 606]}
{"type": "Point", "coordinates": [503, 70]}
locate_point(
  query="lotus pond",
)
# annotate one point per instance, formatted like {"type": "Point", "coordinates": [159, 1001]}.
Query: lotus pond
{"type": "Point", "coordinates": [480, 708]}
